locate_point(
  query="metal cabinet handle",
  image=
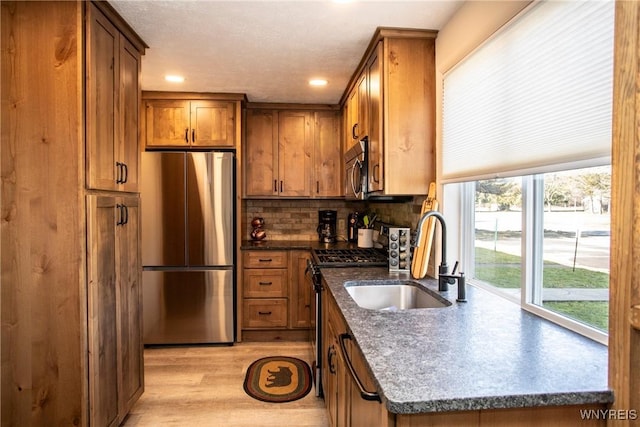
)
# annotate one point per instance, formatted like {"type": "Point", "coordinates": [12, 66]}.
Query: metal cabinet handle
{"type": "Point", "coordinates": [193, 135]}
{"type": "Point", "coordinates": [265, 283]}
{"type": "Point", "coordinates": [331, 353]}
{"type": "Point", "coordinates": [186, 135]}
{"type": "Point", "coordinates": [275, 185]}
{"type": "Point", "coordinates": [376, 172]}
{"type": "Point", "coordinates": [281, 186]}
{"type": "Point", "coordinates": [118, 173]}
{"type": "Point", "coordinates": [354, 134]}
{"type": "Point", "coordinates": [123, 214]}
{"type": "Point", "coordinates": [125, 170]}
{"type": "Point", "coordinates": [265, 313]}
{"type": "Point", "coordinates": [366, 395]}
{"type": "Point", "coordinates": [265, 260]}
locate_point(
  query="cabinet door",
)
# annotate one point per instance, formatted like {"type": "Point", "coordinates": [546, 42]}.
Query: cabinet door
{"type": "Point", "coordinates": [363, 412]}
{"type": "Point", "coordinates": [329, 371]}
{"type": "Point", "coordinates": [295, 139]}
{"type": "Point", "coordinates": [129, 115]}
{"type": "Point", "coordinates": [375, 166]}
{"type": "Point", "coordinates": [301, 293]}
{"type": "Point", "coordinates": [114, 307]}
{"type": "Point", "coordinates": [102, 81]}
{"type": "Point", "coordinates": [261, 155]}
{"type": "Point", "coordinates": [352, 118]}
{"type": "Point", "coordinates": [212, 124]}
{"type": "Point", "coordinates": [102, 311]}
{"type": "Point", "coordinates": [129, 301]}
{"type": "Point", "coordinates": [326, 157]}
{"type": "Point", "coordinates": [337, 387]}
{"type": "Point", "coordinates": [167, 123]}
{"type": "Point", "coordinates": [363, 106]}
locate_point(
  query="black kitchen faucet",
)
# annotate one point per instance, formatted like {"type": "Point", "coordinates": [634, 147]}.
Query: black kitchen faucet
{"type": "Point", "coordinates": [444, 278]}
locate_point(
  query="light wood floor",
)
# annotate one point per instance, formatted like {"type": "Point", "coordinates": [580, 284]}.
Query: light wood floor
{"type": "Point", "coordinates": [202, 387]}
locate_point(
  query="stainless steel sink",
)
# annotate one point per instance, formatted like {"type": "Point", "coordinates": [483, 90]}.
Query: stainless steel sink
{"type": "Point", "coordinates": [393, 295]}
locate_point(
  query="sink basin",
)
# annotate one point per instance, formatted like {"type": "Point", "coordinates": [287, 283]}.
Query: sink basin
{"type": "Point", "coordinates": [393, 295]}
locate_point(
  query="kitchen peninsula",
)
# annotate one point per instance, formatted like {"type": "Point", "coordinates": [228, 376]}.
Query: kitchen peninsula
{"type": "Point", "coordinates": [473, 363]}
{"type": "Point", "coordinates": [484, 360]}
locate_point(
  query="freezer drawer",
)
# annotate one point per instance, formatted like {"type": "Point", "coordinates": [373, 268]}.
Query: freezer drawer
{"type": "Point", "coordinates": [188, 307]}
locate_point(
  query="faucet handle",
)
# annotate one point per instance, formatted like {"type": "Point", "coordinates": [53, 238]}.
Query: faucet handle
{"type": "Point", "coordinates": [455, 268]}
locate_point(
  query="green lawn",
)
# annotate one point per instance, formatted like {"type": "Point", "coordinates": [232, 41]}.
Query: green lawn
{"type": "Point", "coordinates": [504, 271]}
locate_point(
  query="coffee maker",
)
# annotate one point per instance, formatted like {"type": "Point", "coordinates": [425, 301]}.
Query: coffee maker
{"type": "Point", "coordinates": [327, 226]}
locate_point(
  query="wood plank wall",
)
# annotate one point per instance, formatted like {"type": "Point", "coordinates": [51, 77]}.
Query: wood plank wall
{"type": "Point", "coordinates": [624, 339]}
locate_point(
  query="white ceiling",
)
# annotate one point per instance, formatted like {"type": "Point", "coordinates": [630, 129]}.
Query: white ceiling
{"type": "Point", "coordinates": [267, 49]}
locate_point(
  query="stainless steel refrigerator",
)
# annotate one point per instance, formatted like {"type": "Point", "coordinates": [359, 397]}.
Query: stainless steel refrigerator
{"type": "Point", "coordinates": [188, 247]}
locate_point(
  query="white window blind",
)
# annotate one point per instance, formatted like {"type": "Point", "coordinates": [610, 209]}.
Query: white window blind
{"type": "Point", "coordinates": [535, 97]}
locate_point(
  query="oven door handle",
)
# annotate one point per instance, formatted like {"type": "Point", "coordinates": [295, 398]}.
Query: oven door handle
{"type": "Point", "coordinates": [309, 267]}
{"type": "Point", "coordinates": [312, 269]}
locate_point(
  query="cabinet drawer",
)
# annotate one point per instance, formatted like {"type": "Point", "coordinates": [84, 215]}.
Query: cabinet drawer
{"type": "Point", "coordinates": [268, 283]}
{"type": "Point", "coordinates": [265, 259]}
{"type": "Point", "coordinates": [265, 313]}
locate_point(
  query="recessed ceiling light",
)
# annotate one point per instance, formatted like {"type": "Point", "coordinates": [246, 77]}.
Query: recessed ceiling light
{"type": "Point", "coordinates": [174, 79]}
{"type": "Point", "coordinates": [318, 82]}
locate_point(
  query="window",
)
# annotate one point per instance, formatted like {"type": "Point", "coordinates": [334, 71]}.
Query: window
{"type": "Point", "coordinates": [566, 220]}
{"type": "Point", "coordinates": [526, 142]}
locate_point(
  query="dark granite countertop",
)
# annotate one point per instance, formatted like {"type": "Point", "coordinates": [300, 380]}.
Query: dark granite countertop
{"type": "Point", "coordinates": [485, 353]}
{"type": "Point", "coordinates": [274, 245]}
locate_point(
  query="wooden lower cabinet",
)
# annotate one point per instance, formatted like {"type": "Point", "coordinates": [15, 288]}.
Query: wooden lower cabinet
{"type": "Point", "coordinates": [265, 313]}
{"type": "Point", "coordinates": [344, 404]}
{"type": "Point", "coordinates": [548, 416]}
{"type": "Point", "coordinates": [301, 295]}
{"type": "Point", "coordinates": [346, 407]}
{"type": "Point", "coordinates": [114, 302]}
{"type": "Point", "coordinates": [277, 299]}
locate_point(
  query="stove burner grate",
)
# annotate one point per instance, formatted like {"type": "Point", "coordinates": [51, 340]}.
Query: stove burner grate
{"type": "Point", "coordinates": [355, 257]}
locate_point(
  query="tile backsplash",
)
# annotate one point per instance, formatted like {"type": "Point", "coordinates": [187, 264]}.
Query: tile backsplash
{"type": "Point", "coordinates": [290, 219]}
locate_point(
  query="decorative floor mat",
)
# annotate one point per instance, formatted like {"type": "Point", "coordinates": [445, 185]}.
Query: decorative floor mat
{"type": "Point", "coordinates": [278, 379]}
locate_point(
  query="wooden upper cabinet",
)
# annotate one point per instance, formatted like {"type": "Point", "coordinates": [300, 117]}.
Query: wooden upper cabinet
{"type": "Point", "coordinates": [357, 111]}
{"type": "Point", "coordinates": [351, 113]}
{"type": "Point", "coordinates": [327, 161]}
{"type": "Point", "coordinates": [292, 153]}
{"type": "Point", "coordinates": [130, 113]}
{"type": "Point", "coordinates": [167, 123]}
{"type": "Point", "coordinates": [408, 105]}
{"type": "Point", "coordinates": [398, 71]}
{"type": "Point", "coordinates": [295, 139]}
{"type": "Point", "coordinates": [212, 124]}
{"type": "Point", "coordinates": [375, 158]}
{"type": "Point", "coordinates": [201, 123]}
{"type": "Point", "coordinates": [113, 66]}
{"type": "Point", "coordinates": [363, 106]}
{"type": "Point", "coordinates": [261, 153]}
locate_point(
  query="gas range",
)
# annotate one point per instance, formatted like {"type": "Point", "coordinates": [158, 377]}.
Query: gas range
{"type": "Point", "coordinates": [352, 257]}
{"type": "Point", "coordinates": [348, 257]}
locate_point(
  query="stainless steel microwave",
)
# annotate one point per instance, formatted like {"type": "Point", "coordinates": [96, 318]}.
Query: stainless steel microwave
{"type": "Point", "coordinates": [356, 171]}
